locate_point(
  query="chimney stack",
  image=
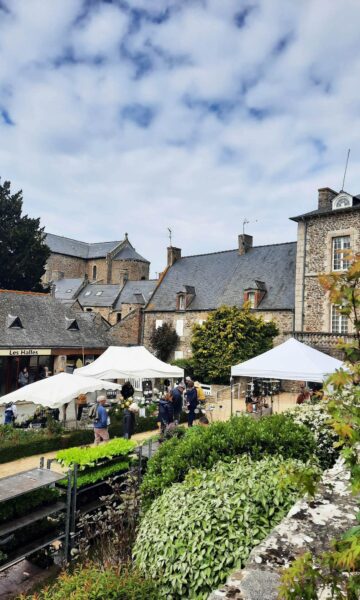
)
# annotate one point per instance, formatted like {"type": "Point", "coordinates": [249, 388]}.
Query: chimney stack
{"type": "Point", "coordinates": [326, 196]}
{"type": "Point", "coordinates": [173, 254]}
{"type": "Point", "coordinates": [245, 243]}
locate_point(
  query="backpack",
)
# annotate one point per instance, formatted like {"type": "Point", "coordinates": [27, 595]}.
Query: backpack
{"type": "Point", "coordinates": [93, 412]}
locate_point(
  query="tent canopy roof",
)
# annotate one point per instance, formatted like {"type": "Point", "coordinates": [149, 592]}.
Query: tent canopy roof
{"type": "Point", "coordinates": [291, 360]}
{"type": "Point", "coordinates": [123, 362]}
{"type": "Point", "coordinates": [55, 391]}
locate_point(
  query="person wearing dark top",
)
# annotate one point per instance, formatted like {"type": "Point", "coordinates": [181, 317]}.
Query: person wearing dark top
{"type": "Point", "coordinates": [166, 412]}
{"type": "Point", "coordinates": [177, 401]}
{"type": "Point", "coordinates": [129, 420]}
{"type": "Point", "coordinates": [192, 402]}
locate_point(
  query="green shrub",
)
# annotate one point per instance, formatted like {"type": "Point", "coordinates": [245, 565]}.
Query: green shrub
{"type": "Point", "coordinates": [201, 529]}
{"type": "Point", "coordinates": [22, 505]}
{"type": "Point", "coordinates": [94, 475]}
{"type": "Point", "coordinates": [202, 447]}
{"type": "Point", "coordinates": [90, 582]}
{"type": "Point", "coordinates": [88, 456]}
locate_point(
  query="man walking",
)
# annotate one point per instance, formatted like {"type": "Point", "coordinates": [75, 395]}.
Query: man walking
{"type": "Point", "coordinates": [101, 422]}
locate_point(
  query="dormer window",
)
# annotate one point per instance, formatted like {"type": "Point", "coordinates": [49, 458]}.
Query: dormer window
{"type": "Point", "coordinates": [14, 322]}
{"type": "Point", "coordinates": [181, 302]}
{"type": "Point", "coordinates": [342, 200]}
{"type": "Point", "coordinates": [71, 324]}
{"type": "Point", "coordinates": [251, 299]}
{"type": "Point", "coordinates": [184, 297]}
{"type": "Point", "coordinates": [254, 295]}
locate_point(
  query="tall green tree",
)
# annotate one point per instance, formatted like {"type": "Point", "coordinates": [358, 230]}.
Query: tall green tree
{"type": "Point", "coordinates": [229, 336]}
{"type": "Point", "coordinates": [23, 252]}
{"type": "Point", "coordinates": [164, 340]}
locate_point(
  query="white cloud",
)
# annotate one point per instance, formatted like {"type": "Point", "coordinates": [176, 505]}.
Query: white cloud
{"type": "Point", "coordinates": [173, 116]}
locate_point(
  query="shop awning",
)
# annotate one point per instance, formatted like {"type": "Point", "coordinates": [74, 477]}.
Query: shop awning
{"type": "Point", "coordinates": [122, 362]}
{"type": "Point", "coordinates": [291, 360]}
{"type": "Point", "coordinates": [55, 391]}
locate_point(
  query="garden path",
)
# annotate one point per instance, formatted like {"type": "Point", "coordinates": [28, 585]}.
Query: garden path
{"type": "Point", "coordinates": [31, 462]}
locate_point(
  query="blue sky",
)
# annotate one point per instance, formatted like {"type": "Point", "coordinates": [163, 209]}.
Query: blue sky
{"type": "Point", "coordinates": [140, 115]}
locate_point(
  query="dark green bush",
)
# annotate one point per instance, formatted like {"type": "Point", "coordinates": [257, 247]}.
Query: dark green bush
{"type": "Point", "coordinates": [31, 443]}
{"type": "Point", "coordinates": [90, 582]}
{"type": "Point", "coordinates": [17, 507]}
{"type": "Point", "coordinates": [202, 447]}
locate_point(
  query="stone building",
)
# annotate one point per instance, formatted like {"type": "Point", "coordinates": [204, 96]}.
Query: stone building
{"type": "Point", "coordinates": [38, 331]}
{"type": "Point", "coordinates": [324, 236]}
{"type": "Point", "coordinates": [103, 262]}
{"type": "Point", "coordinates": [281, 281]}
{"type": "Point", "coordinates": [193, 286]}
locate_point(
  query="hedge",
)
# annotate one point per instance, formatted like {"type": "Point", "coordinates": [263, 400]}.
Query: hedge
{"type": "Point", "coordinates": [202, 447]}
{"type": "Point", "coordinates": [13, 451]}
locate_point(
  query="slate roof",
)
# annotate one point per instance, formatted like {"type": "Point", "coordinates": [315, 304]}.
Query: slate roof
{"type": "Point", "coordinates": [98, 294]}
{"type": "Point", "coordinates": [63, 245]}
{"type": "Point", "coordinates": [136, 292]}
{"type": "Point", "coordinates": [328, 211]}
{"type": "Point", "coordinates": [67, 289]}
{"type": "Point", "coordinates": [221, 278]}
{"type": "Point", "coordinates": [45, 323]}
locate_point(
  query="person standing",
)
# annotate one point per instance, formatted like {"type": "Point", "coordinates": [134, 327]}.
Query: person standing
{"type": "Point", "coordinates": [81, 403]}
{"type": "Point", "coordinates": [192, 402]}
{"type": "Point", "coordinates": [101, 422]}
{"type": "Point", "coordinates": [166, 412]}
{"type": "Point", "coordinates": [10, 413]}
{"type": "Point", "coordinates": [23, 378]}
{"type": "Point", "coordinates": [177, 401]}
{"type": "Point", "coordinates": [129, 420]}
{"type": "Point", "coordinates": [304, 395]}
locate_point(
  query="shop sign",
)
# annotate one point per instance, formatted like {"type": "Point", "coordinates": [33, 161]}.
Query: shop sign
{"type": "Point", "coordinates": [25, 352]}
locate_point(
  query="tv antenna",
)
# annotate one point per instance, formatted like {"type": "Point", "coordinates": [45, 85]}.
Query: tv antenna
{"type": "Point", "coordinates": [346, 166]}
{"type": "Point", "coordinates": [170, 236]}
{"type": "Point", "coordinates": [246, 222]}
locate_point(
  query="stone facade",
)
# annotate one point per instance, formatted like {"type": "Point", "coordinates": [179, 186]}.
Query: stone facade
{"type": "Point", "coordinates": [70, 266]}
{"type": "Point", "coordinates": [127, 332]}
{"type": "Point", "coordinates": [132, 270]}
{"type": "Point", "coordinates": [107, 269]}
{"type": "Point", "coordinates": [183, 322]}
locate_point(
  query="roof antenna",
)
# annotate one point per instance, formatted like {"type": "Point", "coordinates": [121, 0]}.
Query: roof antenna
{"type": "Point", "coordinates": [246, 222]}
{"type": "Point", "coordinates": [170, 236]}
{"type": "Point", "coordinates": [346, 166]}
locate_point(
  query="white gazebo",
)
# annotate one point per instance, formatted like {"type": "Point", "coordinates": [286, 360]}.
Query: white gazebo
{"type": "Point", "coordinates": [291, 360]}
{"type": "Point", "coordinates": [134, 362]}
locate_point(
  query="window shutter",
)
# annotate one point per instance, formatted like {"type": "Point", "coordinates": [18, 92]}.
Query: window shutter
{"type": "Point", "coordinates": [180, 327]}
{"type": "Point", "coordinates": [158, 323]}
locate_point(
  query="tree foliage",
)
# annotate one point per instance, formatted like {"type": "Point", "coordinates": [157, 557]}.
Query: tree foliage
{"type": "Point", "coordinates": [164, 340]}
{"type": "Point", "coordinates": [23, 252]}
{"type": "Point", "coordinates": [230, 335]}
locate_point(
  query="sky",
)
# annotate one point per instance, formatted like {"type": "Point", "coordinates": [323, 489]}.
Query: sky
{"type": "Point", "coordinates": [135, 116]}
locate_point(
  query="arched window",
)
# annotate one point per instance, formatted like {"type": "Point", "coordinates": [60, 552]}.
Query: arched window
{"type": "Point", "coordinates": [94, 272]}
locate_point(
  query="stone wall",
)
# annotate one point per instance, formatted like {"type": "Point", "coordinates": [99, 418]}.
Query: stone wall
{"type": "Point", "coordinates": [311, 525]}
{"type": "Point", "coordinates": [316, 238]}
{"type": "Point", "coordinates": [133, 269]}
{"type": "Point", "coordinates": [184, 322]}
{"type": "Point", "coordinates": [69, 265]}
{"type": "Point", "coordinates": [101, 270]}
{"type": "Point", "coordinates": [128, 330]}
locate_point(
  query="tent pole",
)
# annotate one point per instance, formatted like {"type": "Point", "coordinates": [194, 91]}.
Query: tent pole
{"type": "Point", "coordinates": [231, 395]}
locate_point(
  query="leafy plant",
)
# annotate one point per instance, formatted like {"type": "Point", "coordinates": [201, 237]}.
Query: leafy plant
{"type": "Point", "coordinates": [22, 505]}
{"type": "Point", "coordinates": [201, 529]}
{"type": "Point", "coordinates": [107, 582]}
{"type": "Point", "coordinates": [89, 456]}
{"type": "Point", "coordinates": [229, 335]}
{"type": "Point", "coordinates": [202, 447]}
{"type": "Point", "coordinates": [164, 340]}
{"type": "Point", "coordinates": [97, 474]}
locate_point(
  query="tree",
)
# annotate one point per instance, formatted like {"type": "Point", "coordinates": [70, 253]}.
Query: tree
{"type": "Point", "coordinates": [164, 340]}
{"type": "Point", "coordinates": [229, 336]}
{"type": "Point", "coordinates": [23, 252]}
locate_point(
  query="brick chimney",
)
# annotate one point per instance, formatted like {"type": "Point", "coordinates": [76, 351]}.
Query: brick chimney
{"type": "Point", "coordinates": [57, 275]}
{"type": "Point", "coordinates": [173, 254]}
{"type": "Point", "coordinates": [245, 243]}
{"type": "Point", "coordinates": [326, 196]}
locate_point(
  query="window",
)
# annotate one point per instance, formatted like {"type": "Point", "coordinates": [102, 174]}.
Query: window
{"type": "Point", "coordinates": [118, 317]}
{"type": "Point", "coordinates": [339, 322]}
{"type": "Point", "coordinates": [68, 291]}
{"type": "Point", "coordinates": [180, 327]}
{"type": "Point", "coordinates": [181, 302]}
{"type": "Point", "coordinates": [88, 309]}
{"type": "Point", "coordinates": [339, 245]}
{"type": "Point", "coordinates": [158, 323]}
{"type": "Point", "coordinates": [87, 294]}
{"type": "Point", "coordinates": [251, 299]}
{"type": "Point", "coordinates": [98, 293]}
{"type": "Point", "coordinates": [201, 321]}
{"type": "Point", "coordinates": [179, 354]}
{"type": "Point", "coordinates": [94, 272]}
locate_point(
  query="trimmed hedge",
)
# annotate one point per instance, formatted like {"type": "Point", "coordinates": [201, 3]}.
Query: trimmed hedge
{"type": "Point", "coordinates": [47, 443]}
{"type": "Point", "coordinates": [202, 447]}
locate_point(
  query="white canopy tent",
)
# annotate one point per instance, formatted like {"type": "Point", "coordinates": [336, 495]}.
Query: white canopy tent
{"type": "Point", "coordinates": [291, 360]}
{"type": "Point", "coordinates": [55, 391]}
{"type": "Point", "coordinates": [123, 362]}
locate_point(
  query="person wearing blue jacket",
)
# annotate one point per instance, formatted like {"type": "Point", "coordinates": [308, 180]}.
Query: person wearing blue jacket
{"type": "Point", "coordinates": [101, 422]}
{"type": "Point", "coordinates": [177, 400]}
{"type": "Point", "coordinates": [166, 411]}
{"type": "Point", "coordinates": [192, 402]}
